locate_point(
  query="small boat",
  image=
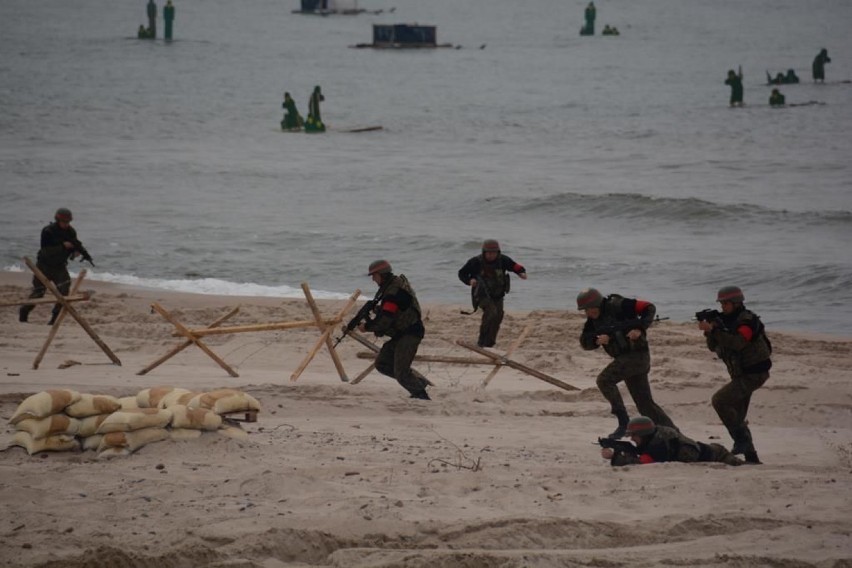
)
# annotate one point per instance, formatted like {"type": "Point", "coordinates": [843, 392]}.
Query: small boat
{"type": "Point", "coordinates": [332, 7]}
{"type": "Point", "coordinates": [403, 36]}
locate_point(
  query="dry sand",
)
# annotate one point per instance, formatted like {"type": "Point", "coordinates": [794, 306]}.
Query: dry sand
{"type": "Point", "coordinates": [334, 474]}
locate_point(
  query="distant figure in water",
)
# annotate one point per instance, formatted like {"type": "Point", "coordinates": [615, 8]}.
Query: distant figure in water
{"type": "Point", "coordinates": [292, 118]}
{"type": "Point", "coordinates": [169, 17]}
{"type": "Point", "coordinates": [610, 30]}
{"type": "Point", "coordinates": [781, 79]}
{"type": "Point", "coordinates": [791, 78]}
{"type": "Point", "coordinates": [142, 33]}
{"type": "Point", "coordinates": [776, 98]}
{"type": "Point", "coordinates": [151, 9]}
{"type": "Point", "coordinates": [590, 15]}
{"type": "Point", "coordinates": [735, 80]}
{"type": "Point", "coordinates": [314, 122]}
{"type": "Point", "coordinates": [819, 65]}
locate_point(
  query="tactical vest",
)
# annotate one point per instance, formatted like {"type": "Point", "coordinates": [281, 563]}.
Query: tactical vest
{"type": "Point", "coordinates": [755, 352]}
{"type": "Point", "coordinates": [611, 309]}
{"type": "Point", "coordinates": [495, 277]}
{"type": "Point", "coordinates": [55, 255]}
{"type": "Point", "coordinates": [410, 316]}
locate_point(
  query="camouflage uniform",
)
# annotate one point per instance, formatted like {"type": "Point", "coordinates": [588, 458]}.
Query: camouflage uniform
{"type": "Point", "coordinates": [489, 292]}
{"type": "Point", "coordinates": [52, 260]}
{"type": "Point", "coordinates": [398, 315]}
{"type": "Point", "coordinates": [667, 444]}
{"type": "Point", "coordinates": [631, 359]}
{"type": "Point", "coordinates": [748, 363]}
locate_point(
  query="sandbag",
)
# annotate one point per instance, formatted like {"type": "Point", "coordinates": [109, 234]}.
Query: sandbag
{"type": "Point", "coordinates": [57, 443]}
{"type": "Point", "coordinates": [92, 442]}
{"type": "Point", "coordinates": [135, 419]}
{"type": "Point", "coordinates": [40, 428]}
{"type": "Point", "coordinates": [113, 453]}
{"type": "Point", "coordinates": [223, 401]}
{"type": "Point", "coordinates": [133, 440]}
{"type": "Point", "coordinates": [173, 398]}
{"type": "Point", "coordinates": [128, 402]}
{"type": "Point", "coordinates": [234, 432]}
{"type": "Point", "coordinates": [150, 398]}
{"type": "Point", "coordinates": [43, 404]}
{"type": "Point", "coordinates": [89, 425]}
{"type": "Point", "coordinates": [93, 404]}
{"type": "Point", "coordinates": [195, 418]}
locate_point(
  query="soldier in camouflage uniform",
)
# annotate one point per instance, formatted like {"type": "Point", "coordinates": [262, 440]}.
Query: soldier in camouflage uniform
{"type": "Point", "coordinates": [658, 444]}
{"type": "Point", "coordinates": [488, 277]}
{"type": "Point", "coordinates": [58, 244]}
{"type": "Point", "coordinates": [739, 339]}
{"type": "Point", "coordinates": [619, 325]}
{"type": "Point", "coordinates": [398, 315]}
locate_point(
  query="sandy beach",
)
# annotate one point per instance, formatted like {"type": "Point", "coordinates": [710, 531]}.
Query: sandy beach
{"type": "Point", "coordinates": [336, 474]}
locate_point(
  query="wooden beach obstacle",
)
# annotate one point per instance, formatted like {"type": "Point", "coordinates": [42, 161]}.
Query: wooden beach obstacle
{"type": "Point", "coordinates": [488, 358]}
{"type": "Point", "coordinates": [74, 295]}
{"type": "Point", "coordinates": [194, 336]}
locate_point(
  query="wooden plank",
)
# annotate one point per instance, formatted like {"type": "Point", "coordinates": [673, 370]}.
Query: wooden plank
{"type": "Point", "coordinates": [375, 349]}
{"type": "Point", "coordinates": [325, 337]}
{"type": "Point", "coordinates": [80, 319]}
{"type": "Point", "coordinates": [204, 332]}
{"type": "Point", "coordinates": [189, 335]}
{"type": "Point", "coordinates": [85, 296]}
{"type": "Point", "coordinates": [178, 348]}
{"type": "Point", "coordinates": [437, 359]}
{"type": "Point", "coordinates": [54, 329]}
{"type": "Point", "coordinates": [517, 366]}
{"type": "Point", "coordinates": [509, 352]}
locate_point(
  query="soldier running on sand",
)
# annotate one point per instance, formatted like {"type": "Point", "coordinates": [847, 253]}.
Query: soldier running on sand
{"type": "Point", "coordinates": [619, 325]}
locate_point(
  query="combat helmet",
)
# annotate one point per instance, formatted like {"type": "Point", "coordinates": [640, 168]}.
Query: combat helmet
{"type": "Point", "coordinates": [730, 294]}
{"type": "Point", "coordinates": [490, 245]}
{"type": "Point", "coordinates": [641, 426]}
{"type": "Point", "coordinates": [63, 214]}
{"type": "Point", "coordinates": [379, 267]}
{"type": "Point", "coordinates": [589, 298]}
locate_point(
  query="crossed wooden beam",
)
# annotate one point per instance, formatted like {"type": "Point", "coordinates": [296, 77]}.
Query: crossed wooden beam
{"type": "Point", "coordinates": [194, 336]}
{"type": "Point", "coordinates": [490, 358]}
{"type": "Point", "coordinates": [66, 308]}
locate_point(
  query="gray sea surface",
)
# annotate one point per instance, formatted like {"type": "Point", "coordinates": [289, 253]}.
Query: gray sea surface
{"type": "Point", "coordinates": [612, 162]}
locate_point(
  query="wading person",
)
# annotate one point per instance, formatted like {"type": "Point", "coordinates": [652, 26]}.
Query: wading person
{"type": "Point", "coordinates": [168, 17]}
{"type": "Point", "coordinates": [292, 118]}
{"type": "Point", "coordinates": [660, 444]}
{"type": "Point", "coordinates": [735, 81]}
{"type": "Point", "coordinates": [314, 122]}
{"type": "Point", "coordinates": [818, 67]}
{"type": "Point", "coordinates": [151, 8]}
{"type": "Point", "coordinates": [776, 98]}
{"type": "Point", "coordinates": [58, 244]}
{"type": "Point", "coordinates": [620, 325]}
{"type": "Point", "coordinates": [739, 339]}
{"type": "Point", "coordinates": [398, 316]}
{"type": "Point", "coordinates": [488, 277]}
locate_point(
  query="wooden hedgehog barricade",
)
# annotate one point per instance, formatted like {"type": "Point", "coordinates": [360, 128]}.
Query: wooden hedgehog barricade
{"type": "Point", "coordinates": [66, 308]}
{"type": "Point", "coordinates": [194, 336]}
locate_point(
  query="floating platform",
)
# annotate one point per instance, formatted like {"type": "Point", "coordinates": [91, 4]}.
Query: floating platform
{"type": "Point", "coordinates": [334, 7]}
{"type": "Point", "coordinates": [403, 36]}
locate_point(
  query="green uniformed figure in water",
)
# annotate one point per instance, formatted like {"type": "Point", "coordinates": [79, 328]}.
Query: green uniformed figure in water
{"type": "Point", "coordinates": [314, 121]}
{"type": "Point", "coordinates": [151, 9]}
{"type": "Point", "coordinates": [590, 14]}
{"type": "Point", "coordinates": [168, 16]}
{"type": "Point", "coordinates": [292, 118]}
{"type": "Point", "coordinates": [776, 98]}
{"type": "Point", "coordinates": [735, 80]}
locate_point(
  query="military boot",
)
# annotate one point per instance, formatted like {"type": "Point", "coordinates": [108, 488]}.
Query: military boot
{"type": "Point", "coordinates": [23, 314]}
{"type": "Point", "coordinates": [742, 441]}
{"type": "Point", "coordinates": [53, 315]}
{"type": "Point", "coordinates": [421, 395]}
{"type": "Point", "coordinates": [623, 419]}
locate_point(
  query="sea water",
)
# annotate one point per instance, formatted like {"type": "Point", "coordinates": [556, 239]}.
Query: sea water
{"type": "Point", "coordinates": [612, 162]}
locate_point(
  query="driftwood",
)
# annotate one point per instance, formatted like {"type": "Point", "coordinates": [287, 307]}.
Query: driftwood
{"type": "Point", "coordinates": [436, 359]}
{"type": "Point", "coordinates": [84, 297]}
{"type": "Point", "coordinates": [499, 364]}
{"type": "Point", "coordinates": [279, 326]}
{"type": "Point", "coordinates": [66, 306]}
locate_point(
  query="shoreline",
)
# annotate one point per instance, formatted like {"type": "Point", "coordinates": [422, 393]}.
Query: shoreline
{"type": "Point", "coordinates": [359, 475]}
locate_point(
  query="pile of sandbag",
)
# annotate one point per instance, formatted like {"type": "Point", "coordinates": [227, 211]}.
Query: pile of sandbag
{"type": "Point", "coordinates": [58, 420]}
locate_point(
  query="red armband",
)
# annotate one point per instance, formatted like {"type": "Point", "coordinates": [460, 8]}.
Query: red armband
{"type": "Point", "coordinates": [640, 306]}
{"type": "Point", "coordinates": [746, 332]}
{"type": "Point", "coordinates": [390, 307]}
{"type": "Point", "coordinates": [645, 459]}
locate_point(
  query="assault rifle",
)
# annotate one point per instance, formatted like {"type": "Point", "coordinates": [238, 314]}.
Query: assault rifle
{"type": "Point", "coordinates": [618, 446]}
{"type": "Point", "coordinates": [79, 248]}
{"type": "Point", "coordinates": [476, 294]}
{"type": "Point", "coordinates": [712, 316]}
{"type": "Point", "coordinates": [618, 329]}
{"type": "Point", "coordinates": [363, 314]}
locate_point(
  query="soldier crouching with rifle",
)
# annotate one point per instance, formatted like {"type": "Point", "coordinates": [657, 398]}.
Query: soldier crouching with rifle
{"type": "Point", "coordinates": [58, 244]}
{"type": "Point", "coordinates": [398, 315]}
{"type": "Point", "coordinates": [619, 326]}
